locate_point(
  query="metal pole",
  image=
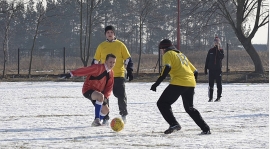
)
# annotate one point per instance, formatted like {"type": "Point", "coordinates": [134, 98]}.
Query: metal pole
{"type": "Point", "coordinates": [64, 57]}
{"type": "Point", "coordinates": [178, 26]}
{"type": "Point", "coordinates": [159, 61]}
{"type": "Point", "coordinates": [156, 65]}
{"type": "Point", "coordinates": [227, 69]}
{"type": "Point", "coordinates": [268, 38]}
{"type": "Point", "coordinates": [227, 57]}
{"type": "Point", "coordinates": [18, 61]}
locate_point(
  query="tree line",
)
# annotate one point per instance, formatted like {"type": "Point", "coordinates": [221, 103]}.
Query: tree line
{"type": "Point", "coordinates": [141, 24]}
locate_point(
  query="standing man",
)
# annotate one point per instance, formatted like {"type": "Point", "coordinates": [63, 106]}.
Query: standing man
{"type": "Point", "coordinates": [123, 64]}
{"type": "Point", "coordinates": [183, 81]}
{"type": "Point", "coordinates": [213, 64]}
{"type": "Point", "coordinates": [97, 86]}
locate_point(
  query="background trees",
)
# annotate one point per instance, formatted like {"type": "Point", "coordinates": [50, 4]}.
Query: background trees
{"type": "Point", "coordinates": [79, 25]}
{"type": "Point", "coordinates": [8, 20]}
{"type": "Point", "coordinates": [243, 17]}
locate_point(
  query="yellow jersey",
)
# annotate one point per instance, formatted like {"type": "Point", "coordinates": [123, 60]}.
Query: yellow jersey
{"type": "Point", "coordinates": [116, 48]}
{"type": "Point", "coordinates": [182, 71]}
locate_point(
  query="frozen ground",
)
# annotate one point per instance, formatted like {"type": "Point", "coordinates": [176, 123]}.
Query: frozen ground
{"type": "Point", "coordinates": [56, 115]}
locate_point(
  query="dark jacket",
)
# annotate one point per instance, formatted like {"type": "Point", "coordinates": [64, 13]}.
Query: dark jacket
{"type": "Point", "coordinates": [214, 59]}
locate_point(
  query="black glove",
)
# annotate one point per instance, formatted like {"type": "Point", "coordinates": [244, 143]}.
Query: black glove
{"type": "Point", "coordinates": [196, 75]}
{"type": "Point", "coordinates": [205, 72]}
{"type": "Point", "coordinates": [129, 75]}
{"type": "Point", "coordinates": [67, 75]}
{"type": "Point", "coordinates": [154, 87]}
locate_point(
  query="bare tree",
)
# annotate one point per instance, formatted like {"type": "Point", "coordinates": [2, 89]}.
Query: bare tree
{"type": "Point", "coordinates": [143, 9]}
{"type": "Point", "coordinates": [39, 21]}
{"type": "Point", "coordinates": [9, 13]}
{"type": "Point", "coordinates": [244, 16]}
{"type": "Point", "coordinates": [87, 24]}
{"type": "Point", "coordinates": [246, 9]}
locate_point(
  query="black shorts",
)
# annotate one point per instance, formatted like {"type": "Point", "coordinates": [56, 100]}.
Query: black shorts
{"type": "Point", "coordinates": [88, 94]}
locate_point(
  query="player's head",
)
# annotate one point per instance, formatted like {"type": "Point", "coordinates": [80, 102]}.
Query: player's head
{"type": "Point", "coordinates": [164, 44]}
{"type": "Point", "coordinates": [110, 61]}
{"type": "Point", "coordinates": [110, 32]}
{"type": "Point", "coordinates": [217, 42]}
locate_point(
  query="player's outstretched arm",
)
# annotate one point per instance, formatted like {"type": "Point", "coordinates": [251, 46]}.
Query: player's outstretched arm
{"type": "Point", "coordinates": [67, 75]}
{"type": "Point", "coordinates": [163, 75]}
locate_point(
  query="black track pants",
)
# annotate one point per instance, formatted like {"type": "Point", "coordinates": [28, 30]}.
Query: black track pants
{"type": "Point", "coordinates": [214, 75]}
{"type": "Point", "coordinates": [170, 95]}
{"type": "Point", "coordinates": [119, 92]}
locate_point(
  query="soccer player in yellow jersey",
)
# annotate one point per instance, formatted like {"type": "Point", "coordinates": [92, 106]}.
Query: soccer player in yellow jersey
{"type": "Point", "coordinates": [123, 64]}
{"type": "Point", "coordinates": [183, 81]}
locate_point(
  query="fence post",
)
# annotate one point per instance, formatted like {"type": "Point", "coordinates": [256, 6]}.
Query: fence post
{"type": "Point", "coordinates": [18, 61]}
{"type": "Point", "coordinates": [227, 69]}
{"type": "Point", "coordinates": [159, 62]}
{"type": "Point", "coordinates": [64, 57]}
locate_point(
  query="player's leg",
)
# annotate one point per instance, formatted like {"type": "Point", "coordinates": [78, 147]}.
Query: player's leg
{"type": "Point", "coordinates": [120, 93]}
{"type": "Point", "coordinates": [167, 98]}
{"type": "Point", "coordinates": [97, 99]}
{"type": "Point", "coordinates": [211, 81]}
{"type": "Point", "coordinates": [104, 110]}
{"type": "Point", "coordinates": [106, 117]}
{"type": "Point", "coordinates": [187, 98]}
{"type": "Point", "coordinates": [219, 84]}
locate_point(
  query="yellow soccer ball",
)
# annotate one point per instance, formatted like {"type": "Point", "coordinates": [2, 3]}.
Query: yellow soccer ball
{"type": "Point", "coordinates": [117, 124]}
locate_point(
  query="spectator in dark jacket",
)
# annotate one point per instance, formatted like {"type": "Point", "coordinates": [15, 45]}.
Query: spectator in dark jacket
{"type": "Point", "coordinates": [213, 67]}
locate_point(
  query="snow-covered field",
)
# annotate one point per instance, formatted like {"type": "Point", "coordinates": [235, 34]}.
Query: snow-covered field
{"type": "Point", "coordinates": [56, 115]}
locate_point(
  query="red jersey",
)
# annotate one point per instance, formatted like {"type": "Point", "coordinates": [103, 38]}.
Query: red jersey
{"type": "Point", "coordinates": [98, 79]}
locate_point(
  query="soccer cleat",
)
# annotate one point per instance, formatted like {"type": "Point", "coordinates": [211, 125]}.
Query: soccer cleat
{"type": "Point", "coordinates": [210, 100]}
{"type": "Point", "coordinates": [208, 132]}
{"type": "Point", "coordinates": [105, 122]}
{"type": "Point", "coordinates": [124, 118]}
{"type": "Point", "coordinates": [96, 122]}
{"type": "Point", "coordinates": [172, 129]}
{"type": "Point", "coordinates": [218, 99]}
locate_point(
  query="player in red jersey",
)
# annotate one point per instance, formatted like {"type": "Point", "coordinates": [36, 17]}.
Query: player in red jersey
{"type": "Point", "coordinates": [97, 86]}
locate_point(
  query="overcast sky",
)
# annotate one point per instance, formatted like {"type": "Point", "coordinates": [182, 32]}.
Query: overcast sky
{"type": "Point", "coordinates": [261, 36]}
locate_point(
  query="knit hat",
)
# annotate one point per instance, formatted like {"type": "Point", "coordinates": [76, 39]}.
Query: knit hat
{"type": "Point", "coordinates": [165, 43]}
{"type": "Point", "coordinates": [109, 28]}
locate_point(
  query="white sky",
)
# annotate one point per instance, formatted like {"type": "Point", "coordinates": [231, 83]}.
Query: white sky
{"type": "Point", "coordinates": [56, 115]}
{"type": "Point", "coordinates": [261, 36]}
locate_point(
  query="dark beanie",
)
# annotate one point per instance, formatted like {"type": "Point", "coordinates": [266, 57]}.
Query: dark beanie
{"type": "Point", "coordinates": [165, 43]}
{"type": "Point", "coordinates": [109, 28]}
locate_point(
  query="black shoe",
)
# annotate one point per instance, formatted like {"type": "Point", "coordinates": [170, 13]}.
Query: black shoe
{"type": "Point", "coordinates": [123, 113]}
{"type": "Point", "coordinates": [107, 117]}
{"type": "Point", "coordinates": [210, 100]}
{"type": "Point", "coordinates": [208, 132]}
{"type": "Point", "coordinates": [105, 122]}
{"type": "Point", "coordinates": [172, 129]}
{"type": "Point", "coordinates": [218, 99]}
